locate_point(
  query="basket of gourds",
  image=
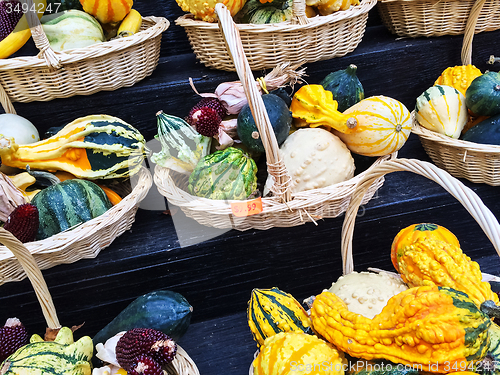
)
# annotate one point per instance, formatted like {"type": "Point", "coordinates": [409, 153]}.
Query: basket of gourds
{"type": "Point", "coordinates": [70, 195]}
{"type": "Point", "coordinates": [83, 49]}
{"type": "Point", "coordinates": [59, 351]}
{"type": "Point", "coordinates": [463, 137]}
{"type": "Point", "coordinates": [276, 32]}
{"type": "Point", "coordinates": [437, 314]}
{"type": "Point", "coordinates": [416, 18]}
{"type": "Point", "coordinates": [310, 173]}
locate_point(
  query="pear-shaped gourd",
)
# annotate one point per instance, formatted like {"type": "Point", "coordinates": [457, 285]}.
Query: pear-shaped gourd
{"type": "Point", "coordinates": [442, 109]}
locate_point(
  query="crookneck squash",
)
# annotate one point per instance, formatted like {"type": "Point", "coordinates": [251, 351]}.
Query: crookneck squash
{"type": "Point", "coordinates": [429, 261]}
{"type": "Point", "coordinates": [91, 147]}
{"type": "Point", "coordinates": [345, 86]}
{"type": "Point", "coordinates": [288, 353]}
{"type": "Point", "coordinates": [14, 28]}
{"type": "Point", "coordinates": [314, 106]}
{"type": "Point", "coordinates": [411, 233]}
{"type": "Point", "coordinates": [384, 125]}
{"type": "Point", "coordinates": [419, 326]}
{"type": "Point", "coordinates": [271, 311]}
{"type": "Point", "coordinates": [67, 204]}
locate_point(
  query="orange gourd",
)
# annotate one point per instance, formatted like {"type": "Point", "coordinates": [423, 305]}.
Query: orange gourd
{"type": "Point", "coordinates": [411, 233]}
{"type": "Point", "coordinates": [107, 11]}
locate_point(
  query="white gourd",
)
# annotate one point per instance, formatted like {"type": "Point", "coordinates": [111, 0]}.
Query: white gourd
{"type": "Point", "coordinates": [315, 158]}
{"type": "Point", "coordinates": [71, 29]}
{"type": "Point", "coordinates": [442, 109]}
{"type": "Point", "coordinates": [366, 293]}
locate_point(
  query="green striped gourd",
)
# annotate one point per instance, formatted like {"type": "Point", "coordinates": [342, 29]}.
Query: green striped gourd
{"type": "Point", "coordinates": [442, 109]}
{"type": "Point", "coordinates": [490, 364]}
{"type": "Point", "coordinates": [91, 147]}
{"type": "Point", "coordinates": [225, 174]}
{"type": "Point", "coordinates": [67, 204]}
{"type": "Point", "coordinates": [62, 356]}
{"type": "Point", "coordinates": [257, 12]}
{"type": "Point", "coordinates": [271, 311]}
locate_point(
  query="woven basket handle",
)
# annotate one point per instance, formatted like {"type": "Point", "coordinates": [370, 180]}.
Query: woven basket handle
{"type": "Point", "coordinates": [469, 32]}
{"type": "Point", "coordinates": [34, 274]}
{"type": "Point", "coordinates": [299, 12]}
{"type": "Point", "coordinates": [470, 200]}
{"type": "Point", "coordinates": [39, 37]}
{"type": "Point", "coordinates": [276, 166]}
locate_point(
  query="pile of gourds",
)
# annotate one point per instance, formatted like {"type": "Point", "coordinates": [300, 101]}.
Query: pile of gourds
{"type": "Point", "coordinates": [85, 156]}
{"type": "Point", "coordinates": [435, 316]}
{"type": "Point", "coordinates": [69, 24]}
{"type": "Point", "coordinates": [262, 12]}
{"type": "Point", "coordinates": [317, 128]}
{"type": "Point", "coordinates": [463, 104]}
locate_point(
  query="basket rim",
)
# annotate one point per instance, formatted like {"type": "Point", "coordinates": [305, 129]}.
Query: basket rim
{"type": "Point", "coordinates": [446, 141]}
{"type": "Point", "coordinates": [155, 27]}
{"type": "Point", "coordinates": [299, 200]}
{"type": "Point", "coordinates": [188, 21]}
{"type": "Point", "coordinates": [65, 239]}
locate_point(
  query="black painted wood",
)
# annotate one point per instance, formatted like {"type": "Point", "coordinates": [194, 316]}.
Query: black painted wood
{"type": "Point", "coordinates": [217, 273]}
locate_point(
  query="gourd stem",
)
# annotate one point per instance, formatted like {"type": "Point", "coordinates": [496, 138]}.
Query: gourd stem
{"type": "Point", "coordinates": [490, 309]}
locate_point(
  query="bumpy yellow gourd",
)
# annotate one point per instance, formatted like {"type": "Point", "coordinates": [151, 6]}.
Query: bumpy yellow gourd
{"type": "Point", "coordinates": [314, 106]}
{"type": "Point", "coordinates": [459, 77]}
{"type": "Point", "coordinates": [433, 262]}
{"type": "Point", "coordinates": [421, 326]}
{"type": "Point", "coordinates": [205, 9]}
{"type": "Point", "coordinates": [288, 353]}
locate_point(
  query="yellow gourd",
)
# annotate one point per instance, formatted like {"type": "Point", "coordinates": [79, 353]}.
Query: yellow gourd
{"type": "Point", "coordinates": [433, 262]}
{"type": "Point", "coordinates": [421, 326]}
{"type": "Point", "coordinates": [205, 10]}
{"type": "Point", "coordinates": [384, 125]}
{"type": "Point", "coordinates": [288, 353]}
{"type": "Point", "coordinates": [131, 24]}
{"type": "Point", "coordinates": [313, 106]}
{"type": "Point", "coordinates": [459, 77]}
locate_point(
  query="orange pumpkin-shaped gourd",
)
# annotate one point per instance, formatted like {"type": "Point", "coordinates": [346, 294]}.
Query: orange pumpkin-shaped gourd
{"type": "Point", "coordinates": [107, 11]}
{"type": "Point", "coordinates": [288, 353]}
{"type": "Point", "coordinates": [383, 126]}
{"type": "Point", "coordinates": [413, 232]}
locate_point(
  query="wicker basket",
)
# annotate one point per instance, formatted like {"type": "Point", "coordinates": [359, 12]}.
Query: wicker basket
{"type": "Point", "coordinates": [414, 18]}
{"type": "Point", "coordinates": [301, 40]}
{"type": "Point", "coordinates": [103, 66]}
{"type": "Point", "coordinates": [182, 363]}
{"type": "Point", "coordinates": [84, 241]}
{"type": "Point", "coordinates": [478, 163]}
{"type": "Point", "coordinates": [283, 209]}
{"type": "Point", "coordinates": [471, 201]}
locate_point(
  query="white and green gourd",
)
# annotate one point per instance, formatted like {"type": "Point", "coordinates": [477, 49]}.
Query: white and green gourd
{"type": "Point", "coordinates": [442, 109]}
{"type": "Point", "coordinates": [71, 29]}
{"type": "Point", "coordinates": [61, 356]}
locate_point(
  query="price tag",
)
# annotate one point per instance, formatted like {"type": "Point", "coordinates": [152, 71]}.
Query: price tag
{"type": "Point", "coordinates": [247, 208]}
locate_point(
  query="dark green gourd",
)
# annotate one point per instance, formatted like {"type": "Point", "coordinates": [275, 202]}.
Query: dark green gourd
{"type": "Point", "coordinates": [483, 95]}
{"type": "Point", "coordinates": [345, 86]}
{"type": "Point", "coordinates": [260, 13]}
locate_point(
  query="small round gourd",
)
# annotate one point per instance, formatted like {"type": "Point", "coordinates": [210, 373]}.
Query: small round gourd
{"type": "Point", "coordinates": [384, 125]}
{"type": "Point", "coordinates": [315, 158]}
{"type": "Point", "coordinates": [107, 11]}
{"type": "Point", "coordinates": [483, 95]}
{"type": "Point", "coordinates": [258, 12]}
{"type": "Point", "coordinates": [288, 353]}
{"type": "Point", "coordinates": [412, 233]}
{"type": "Point", "coordinates": [442, 109]}
{"type": "Point", "coordinates": [345, 86]}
